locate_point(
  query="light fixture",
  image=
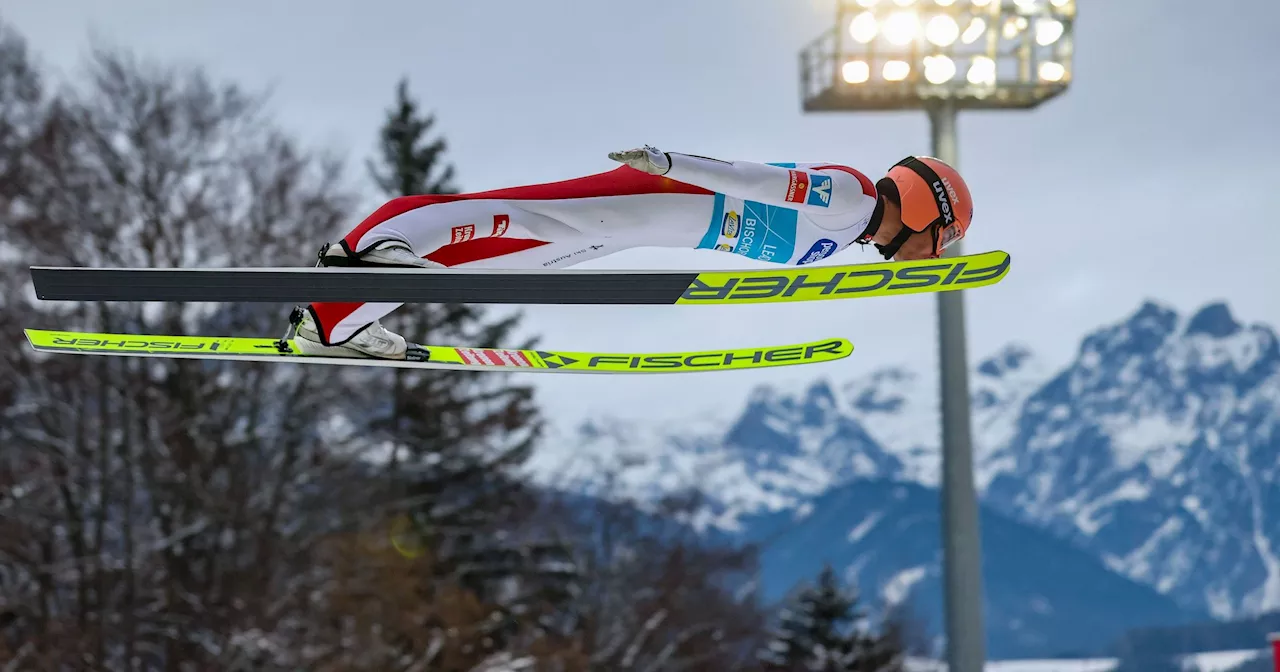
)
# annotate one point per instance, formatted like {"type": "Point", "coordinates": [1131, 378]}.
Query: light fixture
{"type": "Point", "coordinates": [945, 3]}
{"type": "Point", "coordinates": [942, 30]}
{"type": "Point", "coordinates": [896, 71]}
{"type": "Point", "coordinates": [1028, 6]}
{"type": "Point", "coordinates": [1048, 31]}
{"type": "Point", "coordinates": [1013, 26]}
{"type": "Point", "coordinates": [982, 72]}
{"type": "Point", "coordinates": [863, 27]}
{"type": "Point", "coordinates": [939, 69]}
{"type": "Point", "coordinates": [977, 28]}
{"type": "Point", "coordinates": [904, 3]}
{"type": "Point", "coordinates": [856, 72]}
{"type": "Point", "coordinates": [901, 28]}
{"type": "Point", "coordinates": [1052, 72]}
{"type": "Point", "coordinates": [867, 3]}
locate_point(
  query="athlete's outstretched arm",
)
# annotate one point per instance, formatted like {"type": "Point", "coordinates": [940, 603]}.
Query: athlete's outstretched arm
{"type": "Point", "coordinates": [823, 190]}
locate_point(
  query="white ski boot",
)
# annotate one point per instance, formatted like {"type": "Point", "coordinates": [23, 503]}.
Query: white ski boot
{"type": "Point", "coordinates": [386, 253]}
{"type": "Point", "coordinates": [373, 340]}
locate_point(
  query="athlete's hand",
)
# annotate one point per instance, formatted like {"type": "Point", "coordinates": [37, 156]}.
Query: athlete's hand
{"type": "Point", "coordinates": [647, 159]}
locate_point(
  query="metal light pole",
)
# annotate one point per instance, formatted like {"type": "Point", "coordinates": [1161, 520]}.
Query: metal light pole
{"type": "Point", "coordinates": [908, 55]}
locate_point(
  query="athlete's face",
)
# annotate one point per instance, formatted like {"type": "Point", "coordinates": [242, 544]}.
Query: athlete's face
{"type": "Point", "coordinates": [918, 246]}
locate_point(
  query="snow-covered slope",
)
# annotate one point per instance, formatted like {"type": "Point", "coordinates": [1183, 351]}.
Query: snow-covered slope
{"type": "Point", "coordinates": [1159, 449]}
{"type": "Point", "coordinates": [1041, 595]}
{"type": "Point", "coordinates": [900, 410]}
{"type": "Point", "coordinates": [1212, 661]}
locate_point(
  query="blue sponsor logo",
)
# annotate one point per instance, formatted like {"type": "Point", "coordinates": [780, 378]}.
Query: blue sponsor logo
{"type": "Point", "coordinates": [820, 250]}
{"type": "Point", "coordinates": [819, 190]}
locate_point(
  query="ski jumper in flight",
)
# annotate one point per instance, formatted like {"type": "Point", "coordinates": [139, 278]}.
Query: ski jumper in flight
{"type": "Point", "coordinates": [783, 213]}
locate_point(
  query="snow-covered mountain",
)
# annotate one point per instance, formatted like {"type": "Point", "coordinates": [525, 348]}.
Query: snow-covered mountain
{"type": "Point", "coordinates": [1157, 451]}
{"type": "Point", "coordinates": [786, 447]}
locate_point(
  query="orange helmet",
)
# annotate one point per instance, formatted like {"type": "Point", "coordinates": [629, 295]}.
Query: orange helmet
{"type": "Point", "coordinates": [933, 198]}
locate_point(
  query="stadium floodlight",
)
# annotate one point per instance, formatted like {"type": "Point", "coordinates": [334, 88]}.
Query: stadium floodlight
{"type": "Point", "coordinates": [901, 28]}
{"type": "Point", "coordinates": [943, 56]}
{"type": "Point", "coordinates": [939, 69]}
{"type": "Point", "coordinates": [856, 72]}
{"type": "Point", "coordinates": [864, 27]}
{"type": "Point", "coordinates": [1048, 31]}
{"type": "Point", "coordinates": [896, 71]}
{"type": "Point", "coordinates": [1009, 54]}
{"type": "Point", "coordinates": [942, 30]}
{"type": "Point", "coordinates": [977, 28]}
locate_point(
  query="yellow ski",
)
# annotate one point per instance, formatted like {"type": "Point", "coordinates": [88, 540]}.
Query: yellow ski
{"type": "Point", "coordinates": [440, 356]}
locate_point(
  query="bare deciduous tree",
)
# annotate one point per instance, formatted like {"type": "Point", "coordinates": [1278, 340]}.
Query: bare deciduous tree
{"type": "Point", "coordinates": [178, 514]}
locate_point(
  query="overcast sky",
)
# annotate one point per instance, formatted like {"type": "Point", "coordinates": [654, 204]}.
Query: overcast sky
{"type": "Point", "coordinates": [1167, 141]}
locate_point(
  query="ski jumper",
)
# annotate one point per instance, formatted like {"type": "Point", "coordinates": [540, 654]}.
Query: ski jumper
{"type": "Point", "coordinates": [783, 213]}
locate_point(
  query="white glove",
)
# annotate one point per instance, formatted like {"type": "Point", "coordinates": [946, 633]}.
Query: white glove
{"type": "Point", "coordinates": [648, 159]}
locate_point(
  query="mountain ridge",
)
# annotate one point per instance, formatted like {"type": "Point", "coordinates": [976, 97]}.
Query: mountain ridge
{"type": "Point", "coordinates": [1156, 449]}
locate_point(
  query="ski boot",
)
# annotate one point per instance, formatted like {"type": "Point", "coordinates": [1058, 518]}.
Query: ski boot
{"type": "Point", "coordinates": [372, 340]}
{"type": "Point", "coordinates": [387, 253]}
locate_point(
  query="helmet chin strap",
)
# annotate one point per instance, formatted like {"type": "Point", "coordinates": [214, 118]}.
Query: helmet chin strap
{"type": "Point", "coordinates": [873, 226]}
{"type": "Point", "coordinates": [894, 245]}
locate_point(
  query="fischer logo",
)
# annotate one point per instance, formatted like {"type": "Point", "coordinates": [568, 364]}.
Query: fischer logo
{"type": "Point", "coordinates": [944, 202]}
{"type": "Point", "coordinates": [500, 224]}
{"type": "Point", "coordinates": [820, 193]}
{"type": "Point", "coordinates": [722, 359]}
{"type": "Point", "coordinates": [798, 189]}
{"type": "Point", "coordinates": [124, 342]}
{"type": "Point", "coordinates": [820, 250]}
{"type": "Point", "coordinates": [462, 234]}
{"type": "Point", "coordinates": [823, 282]}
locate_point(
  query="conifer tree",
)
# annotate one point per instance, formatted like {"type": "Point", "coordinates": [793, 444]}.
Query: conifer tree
{"type": "Point", "coordinates": [824, 629]}
{"type": "Point", "coordinates": [460, 436]}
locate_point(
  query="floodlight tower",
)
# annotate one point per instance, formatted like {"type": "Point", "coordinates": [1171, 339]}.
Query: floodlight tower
{"type": "Point", "coordinates": [942, 56]}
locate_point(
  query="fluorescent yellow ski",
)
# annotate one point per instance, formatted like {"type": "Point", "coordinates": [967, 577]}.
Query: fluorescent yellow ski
{"type": "Point", "coordinates": [443, 357]}
{"type": "Point", "coordinates": [817, 283]}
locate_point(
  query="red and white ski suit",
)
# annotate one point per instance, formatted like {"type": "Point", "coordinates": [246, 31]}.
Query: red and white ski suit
{"type": "Point", "coordinates": [783, 213]}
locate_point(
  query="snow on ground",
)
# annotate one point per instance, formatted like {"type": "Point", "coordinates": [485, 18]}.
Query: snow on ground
{"type": "Point", "coordinates": [1221, 661]}
{"type": "Point", "coordinates": [897, 588]}
{"type": "Point", "coordinates": [1083, 665]}
{"type": "Point", "coordinates": [1212, 661]}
